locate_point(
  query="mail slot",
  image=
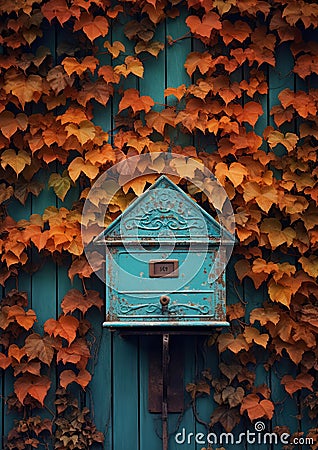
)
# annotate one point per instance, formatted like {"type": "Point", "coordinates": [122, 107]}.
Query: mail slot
{"type": "Point", "coordinates": [162, 256]}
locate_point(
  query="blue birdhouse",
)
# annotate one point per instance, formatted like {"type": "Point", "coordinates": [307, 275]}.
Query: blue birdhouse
{"type": "Point", "coordinates": [165, 258]}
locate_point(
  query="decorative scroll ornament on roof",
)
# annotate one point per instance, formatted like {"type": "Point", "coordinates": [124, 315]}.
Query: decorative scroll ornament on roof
{"type": "Point", "coordinates": [160, 211]}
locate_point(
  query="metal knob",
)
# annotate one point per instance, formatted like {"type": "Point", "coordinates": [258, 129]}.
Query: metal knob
{"type": "Point", "coordinates": [164, 300]}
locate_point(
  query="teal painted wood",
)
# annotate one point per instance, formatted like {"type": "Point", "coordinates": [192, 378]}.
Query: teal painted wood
{"type": "Point", "coordinates": [150, 428]}
{"type": "Point", "coordinates": [125, 389]}
{"type": "Point", "coordinates": [175, 71]}
{"type": "Point", "coordinates": [286, 410]}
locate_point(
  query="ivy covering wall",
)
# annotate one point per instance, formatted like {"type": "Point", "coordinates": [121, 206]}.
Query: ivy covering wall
{"type": "Point", "coordinates": [73, 102]}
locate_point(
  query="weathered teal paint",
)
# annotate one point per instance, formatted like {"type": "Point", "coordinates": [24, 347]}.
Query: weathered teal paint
{"type": "Point", "coordinates": [161, 254]}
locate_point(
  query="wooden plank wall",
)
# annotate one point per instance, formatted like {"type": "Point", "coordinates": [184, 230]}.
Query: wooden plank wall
{"type": "Point", "coordinates": [117, 394]}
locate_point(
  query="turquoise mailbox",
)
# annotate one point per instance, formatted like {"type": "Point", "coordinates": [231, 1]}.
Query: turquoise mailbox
{"type": "Point", "coordinates": [165, 259]}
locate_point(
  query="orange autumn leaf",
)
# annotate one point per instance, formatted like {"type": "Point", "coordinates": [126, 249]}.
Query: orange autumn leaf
{"type": "Point", "coordinates": [74, 299]}
{"type": "Point", "coordinates": [265, 196]}
{"type": "Point", "coordinates": [235, 311]}
{"type": "Point", "coordinates": [177, 92]}
{"type": "Point", "coordinates": [239, 30]}
{"type": "Point", "coordinates": [78, 165]}
{"type": "Point", "coordinates": [257, 408]}
{"type": "Point", "coordinates": [18, 161]}
{"type": "Point", "coordinates": [93, 27]}
{"type": "Point", "coordinates": [9, 123]}
{"type": "Point", "coordinates": [249, 113]}
{"type": "Point", "coordinates": [227, 341]}
{"type": "Point", "coordinates": [5, 361]}
{"type": "Point", "coordinates": [132, 65]}
{"type": "Point", "coordinates": [210, 21]}
{"type": "Point", "coordinates": [115, 48]}
{"type": "Point", "coordinates": [72, 65]}
{"type": "Point", "coordinates": [265, 315]}
{"type": "Point", "coordinates": [24, 318]}
{"type": "Point", "coordinates": [252, 334]}
{"type": "Point", "coordinates": [36, 386]}
{"type": "Point", "coordinates": [202, 61]}
{"type": "Point", "coordinates": [310, 265]}
{"type": "Point", "coordinates": [58, 9]}
{"type": "Point", "coordinates": [40, 347]}
{"type": "Point", "coordinates": [131, 98]}
{"type": "Point", "coordinates": [16, 352]}
{"type": "Point", "coordinates": [302, 381]}
{"type": "Point", "coordinates": [288, 140]}
{"type": "Point", "coordinates": [68, 376]}
{"type": "Point", "coordinates": [74, 353]}
{"type": "Point", "coordinates": [109, 74]}
{"type": "Point", "coordinates": [84, 131]}
{"type": "Point", "coordinates": [65, 327]}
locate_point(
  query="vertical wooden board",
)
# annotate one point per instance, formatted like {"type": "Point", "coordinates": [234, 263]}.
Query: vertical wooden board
{"type": "Point", "coordinates": [234, 294]}
{"type": "Point", "coordinates": [207, 358]}
{"type": "Point", "coordinates": [131, 81]}
{"type": "Point", "coordinates": [125, 387]}
{"type": "Point", "coordinates": [44, 280]}
{"type": "Point", "coordinates": [150, 431]}
{"type": "Point", "coordinates": [280, 78]}
{"type": "Point", "coordinates": [184, 423]}
{"type": "Point", "coordinates": [255, 298]}
{"type": "Point", "coordinates": [99, 397]}
{"type": "Point", "coordinates": [176, 53]}
{"type": "Point", "coordinates": [176, 74]}
{"type": "Point", "coordinates": [153, 82]}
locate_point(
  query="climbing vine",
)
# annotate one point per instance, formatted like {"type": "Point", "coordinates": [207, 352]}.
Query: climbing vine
{"type": "Point", "coordinates": [48, 99]}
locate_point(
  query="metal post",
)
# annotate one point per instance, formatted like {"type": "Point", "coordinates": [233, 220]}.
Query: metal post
{"type": "Point", "coordinates": [165, 372]}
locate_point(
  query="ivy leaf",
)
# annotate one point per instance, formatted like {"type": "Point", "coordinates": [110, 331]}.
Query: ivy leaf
{"type": "Point", "coordinates": [36, 386]}
{"type": "Point", "coordinates": [115, 48]}
{"type": "Point", "coordinates": [40, 347]}
{"type": "Point", "coordinates": [5, 361]}
{"type": "Point", "coordinates": [84, 131]}
{"type": "Point", "coordinates": [16, 352]}
{"type": "Point", "coordinates": [93, 27]}
{"type": "Point", "coordinates": [132, 65]}
{"type": "Point", "coordinates": [252, 334]}
{"type": "Point", "coordinates": [78, 165]}
{"type": "Point", "coordinates": [60, 183]}
{"type": "Point", "coordinates": [74, 353]}
{"type": "Point", "coordinates": [65, 327]}
{"type": "Point", "coordinates": [235, 344]}
{"type": "Point", "coordinates": [257, 408]}
{"type": "Point", "coordinates": [71, 65]}
{"type": "Point", "coordinates": [310, 265]}
{"type": "Point", "coordinates": [74, 299]}
{"type": "Point", "coordinates": [24, 318]}
{"type": "Point", "coordinates": [68, 376]}
{"type": "Point", "coordinates": [9, 123]}
{"type": "Point", "coordinates": [17, 161]}
{"type": "Point", "coordinates": [302, 381]}
{"type": "Point", "coordinates": [153, 47]}
{"type": "Point", "coordinates": [58, 9]}
{"type": "Point", "coordinates": [131, 98]}
{"type": "Point", "coordinates": [210, 21]}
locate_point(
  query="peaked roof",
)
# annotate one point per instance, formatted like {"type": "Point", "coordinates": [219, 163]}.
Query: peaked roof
{"type": "Point", "coordinates": [164, 210]}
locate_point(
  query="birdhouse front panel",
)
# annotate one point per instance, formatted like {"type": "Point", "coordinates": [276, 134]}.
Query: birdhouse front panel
{"type": "Point", "coordinates": [162, 254]}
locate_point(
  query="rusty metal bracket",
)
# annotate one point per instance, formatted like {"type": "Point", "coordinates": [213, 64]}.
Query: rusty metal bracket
{"type": "Point", "coordinates": [175, 386]}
